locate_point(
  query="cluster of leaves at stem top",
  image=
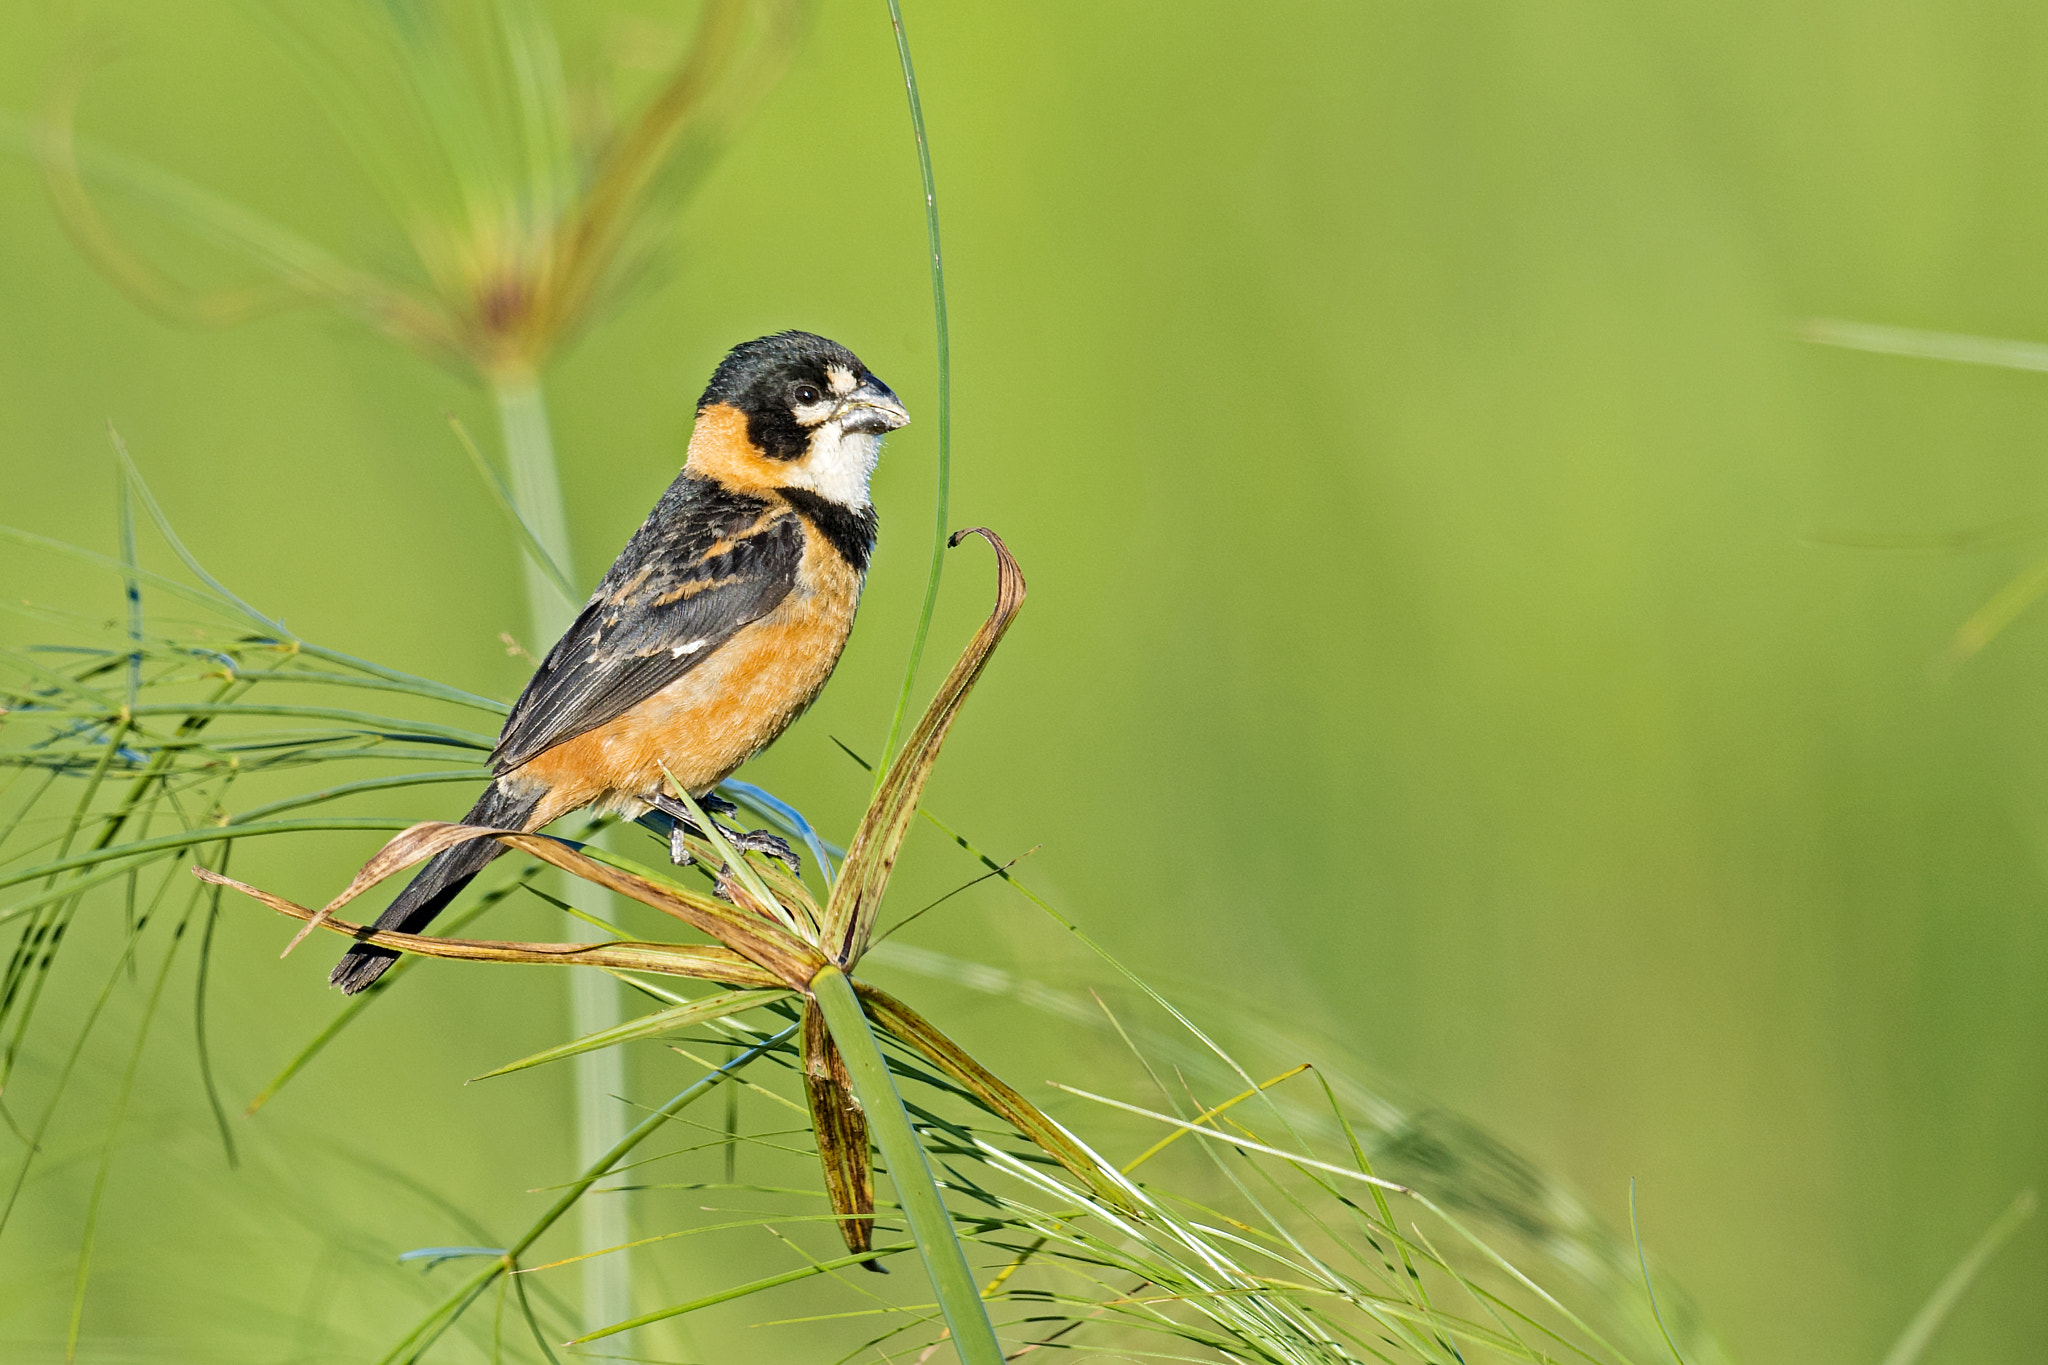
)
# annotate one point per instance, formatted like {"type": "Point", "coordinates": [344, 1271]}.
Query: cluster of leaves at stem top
{"type": "Point", "coordinates": [769, 938]}
{"type": "Point", "coordinates": [529, 193]}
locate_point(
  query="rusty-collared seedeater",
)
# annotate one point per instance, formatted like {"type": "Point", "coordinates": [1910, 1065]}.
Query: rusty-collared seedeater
{"type": "Point", "coordinates": [717, 625]}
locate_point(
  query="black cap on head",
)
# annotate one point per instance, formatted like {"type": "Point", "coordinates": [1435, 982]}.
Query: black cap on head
{"type": "Point", "coordinates": [759, 378]}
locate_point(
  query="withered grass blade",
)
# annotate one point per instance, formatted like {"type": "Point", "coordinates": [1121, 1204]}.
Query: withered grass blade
{"type": "Point", "coordinates": [842, 1131]}
{"type": "Point", "coordinates": [703, 962]}
{"type": "Point", "coordinates": [913, 1029]}
{"type": "Point", "coordinates": [752, 935]}
{"type": "Point", "coordinates": [792, 961]}
{"type": "Point", "coordinates": [857, 895]}
{"type": "Point", "coordinates": [409, 846]}
{"type": "Point", "coordinates": [701, 1011]}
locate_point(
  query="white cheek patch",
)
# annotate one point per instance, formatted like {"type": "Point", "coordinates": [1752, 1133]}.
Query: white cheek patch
{"type": "Point", "coordinates": [838, 465]}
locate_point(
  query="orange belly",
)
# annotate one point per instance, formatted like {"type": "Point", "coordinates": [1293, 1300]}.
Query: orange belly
{"type": "Point", "coordinates": [711, 720]}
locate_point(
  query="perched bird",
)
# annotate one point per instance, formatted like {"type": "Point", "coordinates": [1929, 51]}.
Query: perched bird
{"type": "Point", "coordinates": [717, 625]}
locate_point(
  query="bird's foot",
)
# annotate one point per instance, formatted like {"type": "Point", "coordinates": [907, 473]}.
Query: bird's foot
{"type": "Point", "coordinates": [774, 845]}
{"type": "Point", "coordinates": [682, 824]}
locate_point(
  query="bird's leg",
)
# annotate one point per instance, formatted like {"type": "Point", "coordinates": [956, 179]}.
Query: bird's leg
{"type": "Point", "coordinates": [682, 823]}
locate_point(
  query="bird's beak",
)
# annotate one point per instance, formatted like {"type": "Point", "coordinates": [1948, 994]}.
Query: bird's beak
{"type": "Point", "coordinates": [870, 409]}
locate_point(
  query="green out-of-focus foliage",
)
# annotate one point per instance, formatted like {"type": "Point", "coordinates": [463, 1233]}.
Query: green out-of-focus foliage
{"type": "Point", "coordinates": [1473, 638]}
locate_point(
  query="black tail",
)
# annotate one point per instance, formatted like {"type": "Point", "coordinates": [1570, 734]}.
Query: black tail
{"type": "Point", "coordinates": [436, 884]}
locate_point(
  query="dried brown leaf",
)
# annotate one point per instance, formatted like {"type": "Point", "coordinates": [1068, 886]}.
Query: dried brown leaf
{"type": "Point", "coordinates": [702, 962]}
{"type": "Point", "coordinates": [857, 895]}
{"type": "Point", "coordinates": [842, 1132]}
{"type": "Point", "coordinates": [751, 935]}
{"type": "Point", "coordinates": [915, 1030]}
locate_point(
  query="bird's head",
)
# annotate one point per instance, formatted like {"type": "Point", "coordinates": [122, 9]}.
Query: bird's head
{"type": "Point", "coordinates": [794, 410]}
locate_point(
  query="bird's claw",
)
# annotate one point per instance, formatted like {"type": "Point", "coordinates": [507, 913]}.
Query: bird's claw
{"type": "Point", "coordinates": [682, 824]}
{"type": "Point", "coordinates": [774, 845]}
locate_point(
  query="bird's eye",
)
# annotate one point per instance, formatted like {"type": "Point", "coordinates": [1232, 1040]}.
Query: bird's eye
{"type": "Point", "coordinates": [806, 395]}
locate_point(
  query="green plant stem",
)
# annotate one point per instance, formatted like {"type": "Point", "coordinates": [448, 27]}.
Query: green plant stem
{"type": "Point", "coordinates": [945, 416]}
{"type": "Point", "coordinates": [974, 1337]}
{"type": "Point", "coordinates": [536, 486]}
{"type": "Point", "coordinates": [594, 1005]}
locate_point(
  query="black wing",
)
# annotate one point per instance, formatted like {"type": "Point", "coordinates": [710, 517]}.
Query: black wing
{"type": "Point", "coordinates": [666, 606]}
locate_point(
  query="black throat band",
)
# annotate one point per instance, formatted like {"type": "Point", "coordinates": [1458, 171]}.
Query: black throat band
{"type": "Point", "coordinates": [850, 531]}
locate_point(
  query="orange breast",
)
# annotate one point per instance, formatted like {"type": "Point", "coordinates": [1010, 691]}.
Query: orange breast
{"type": "Point", "coordinates": [717, 716]}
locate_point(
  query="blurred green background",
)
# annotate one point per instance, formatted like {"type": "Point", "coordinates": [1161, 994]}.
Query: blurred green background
{"type": "Point", "coordinates": [1396, 411]}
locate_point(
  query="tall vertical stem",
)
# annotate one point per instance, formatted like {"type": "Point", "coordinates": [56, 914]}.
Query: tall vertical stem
{"type": "Point", "coordinates": [536, 488]}
{"type": "Point", "coordinates": [974, 1338]}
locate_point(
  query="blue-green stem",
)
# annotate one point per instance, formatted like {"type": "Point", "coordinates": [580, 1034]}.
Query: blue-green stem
{"type": "Point", "coordinates": [536, 487]}
{"type": "Point", "coordinates": [945, 414]}
{"type": "Point", "coordinates": [974, 1337]}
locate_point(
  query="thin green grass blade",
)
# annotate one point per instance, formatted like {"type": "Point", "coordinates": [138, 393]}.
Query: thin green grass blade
{"type": "Point", "coordinates": [105, 1168]}
{"type": "Point", "coordinates": [1913, 1342]}
{"type": "Point", "coordinates": [533, 1323]}
{"type": "Point", "coordinates": [133, 478]}
{"type": "Point", "coordinates": [758, 1221]}
{"type": "Point", "coordinates": [943, 338]}
{"type": "Point", "coordinates": [415, 1343]}
{"type": "Point", "coordinates": [734, 859]}
{"type": "Point", "coordinates": [1248, 1144]}
{"type": "Point", "coordinates": [1990, 620]}
{"type": "Point", "coordinates": [131, 588]}
{"type": "Point", "coordinates": [1643, 1262]}
{"type": "Point", "coordinates": [349, 1012]}
{"type": "Point", "coordinates": [205, 834]}
{"type": "Point", "coordinates": [1922, 345]}
{"type": "Point", "coordinates": [754, 1287]}
{"type": "Point", "coordinates": [425, 687]}
{"type": "Point", "coordinates": [112, 563]}
{"type": "Point", "coordinates": [201, 1041]}
{"type": "Point", "coordinates": [1409, 1275]}
{"type": "Point", "coordinates": [700, 1011]}
{"type": "Point", "coordinates": [324, 795]}
{"type": "Point", "coordinates": [502, 496]}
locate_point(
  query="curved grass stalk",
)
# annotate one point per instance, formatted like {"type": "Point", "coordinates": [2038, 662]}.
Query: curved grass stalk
{"type": "Point", "coordinates": [106, 1162]}
{"type": "Point", "coordinates": [943, 336]}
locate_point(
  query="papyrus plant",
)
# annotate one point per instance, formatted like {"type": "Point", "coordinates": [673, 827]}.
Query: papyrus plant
{"type": "Point", "coordinates": [770, 940]}
{"type": "Point", "coordinates": [531, 195]}
{"type": "Point", "coordinates": [528, 191]}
